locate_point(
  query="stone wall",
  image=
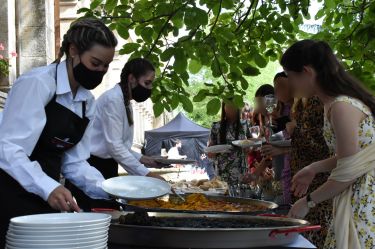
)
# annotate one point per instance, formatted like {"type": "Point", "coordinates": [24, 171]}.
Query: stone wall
{"type": "Point", "coordinates": [8, 39]}
{"type": "Point", "coordinates": [35, 33]}
{"type": "Point", "coordinates": [27, 27]}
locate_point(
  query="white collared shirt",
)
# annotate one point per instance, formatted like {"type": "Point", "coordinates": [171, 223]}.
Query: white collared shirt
{"type": "Point", "coordinates": [23, 121]}
{"type": "Point", "coordinates": [111, 136]}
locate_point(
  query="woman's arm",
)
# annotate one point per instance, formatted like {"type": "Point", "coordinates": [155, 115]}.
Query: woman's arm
{"type": "Point", "coordinates": [23, 121]}
{"type": "Point", "coordinates": [76, 168]}
{"type": "Point", "coordinates": [345, 120]}
{"type": "Point", "coordinates": [269, 150]}
{"type": "Point", "coordinates": [326, 165]}
{"type": "Point", "coordinates": [113, 134]}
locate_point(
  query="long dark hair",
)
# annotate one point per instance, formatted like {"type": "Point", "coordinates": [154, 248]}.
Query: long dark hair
{"type": "Point", "coordinates": [224, 124]}
{"type": "Point", "coordinates": [85, 33]}
{"type": "Point", "coordinates": [136, 67]}
{"type": "Point", "coordinates": [332, 78]}
{"type": "Point", "coordinates": [262, 91]}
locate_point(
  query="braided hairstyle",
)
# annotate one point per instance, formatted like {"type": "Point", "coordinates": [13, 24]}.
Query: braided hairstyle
{"type": "Point", "coordinates": [136, 67]}
{"type": "Point", "coordinates": [85, 33]}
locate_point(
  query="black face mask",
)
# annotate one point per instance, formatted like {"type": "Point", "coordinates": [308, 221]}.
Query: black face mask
{"type": "Point", "coordinates": [87, 78]}
{"type": "Point", "coordinates": [141, 93]}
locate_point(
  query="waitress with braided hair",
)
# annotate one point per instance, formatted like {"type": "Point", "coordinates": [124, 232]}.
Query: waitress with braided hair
{"type": "Point", "coordinates": [113, 128]}
{"type": "Point", "coordinates": [44, 131]}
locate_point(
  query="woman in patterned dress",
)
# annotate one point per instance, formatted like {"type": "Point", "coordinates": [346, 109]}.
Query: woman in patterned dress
{"type": "Point", "coordinates": [308, 146]}
{"type": "Point", "coordinates": [349, 112]}
{"type": "Point", "coordinates": [231, 167]}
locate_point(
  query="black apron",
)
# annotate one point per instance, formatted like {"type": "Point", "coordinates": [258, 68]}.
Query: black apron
{"type": "Point", "coordinates": [108, 168]}
{"type": "Point", "coordinates": [62, 131]}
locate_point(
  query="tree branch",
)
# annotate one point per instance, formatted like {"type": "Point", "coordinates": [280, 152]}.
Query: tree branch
{"type": "Point", "coordinates": [246, 15]}
{"type": "Point", "coordinates": [162, 29]}
{"type": "Point", "coordinates": [218, 65]}
{"type": "Point", "coordinates": [215, 22]}
{"type": "Point", "coordinates": [165, 68]}
{"type": "Point", "coordinates": [252, 20]}
{"type": "Point", "coordinates": [191, 33]}
{"type": "Point", "coordinates": [350, 36]}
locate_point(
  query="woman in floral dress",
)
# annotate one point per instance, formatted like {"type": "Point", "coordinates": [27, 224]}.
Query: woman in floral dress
{"type": "Point", "coordinates": [231, 167]}
{"type": "Point", "coordinates": [349, 112]}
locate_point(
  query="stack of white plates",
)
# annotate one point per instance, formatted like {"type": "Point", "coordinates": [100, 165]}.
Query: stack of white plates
{"type": "Point", "coordinates": [59, 231]}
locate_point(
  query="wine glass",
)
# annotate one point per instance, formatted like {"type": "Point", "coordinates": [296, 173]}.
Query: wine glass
{"type": "Point", "coordinates": [271, 104]}
{"type": "Point", "coordinates": [255, 131]}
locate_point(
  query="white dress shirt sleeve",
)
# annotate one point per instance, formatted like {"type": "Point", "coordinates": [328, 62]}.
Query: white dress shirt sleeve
{"type": "Point", "coordinates": [136, 155]}
{"type": "Point", "coordinates": [113, 134]}
{"type": "Point", "coordinates": [23, 122]}
{"type": "Point", "coordinates": [78, 170]}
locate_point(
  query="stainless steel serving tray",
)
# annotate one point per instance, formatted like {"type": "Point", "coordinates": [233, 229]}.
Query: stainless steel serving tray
{"type": "Point", "coordinates": [181, 237]}
{"type": "Point", "coordinates": [269, 206]}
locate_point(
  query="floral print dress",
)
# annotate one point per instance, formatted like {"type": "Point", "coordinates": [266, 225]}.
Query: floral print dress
{"type": "Point", "coordinates": [231, 167]}
{"type": "Point", "coordinates": [363, 199]}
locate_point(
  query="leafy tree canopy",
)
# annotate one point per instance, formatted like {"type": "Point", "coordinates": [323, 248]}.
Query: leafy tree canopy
{"type": "Point", "coordinates": [234, 39]}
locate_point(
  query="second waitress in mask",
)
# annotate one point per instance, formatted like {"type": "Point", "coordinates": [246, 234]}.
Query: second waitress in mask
{"type": "Point", "coordinates": [113, 128]}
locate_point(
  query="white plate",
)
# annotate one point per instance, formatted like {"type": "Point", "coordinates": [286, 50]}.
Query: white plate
{"type": "Point", "coordinates": [87, 228]}
{"type": "Point", "coordinates": [52, 227]}
{"type": "Point", "coordinates": [102, 246]}
{"type": "Point", "coordinates": [136, 187]}
{"type": "Point", "coordinates": [281, 143]}
{"type": "Point", "coordinates": [60, 245]}
{"type": "Point", "coordinates": [175, 161]}
{"type": "Point", "coordinates": [77, 230]}
{"type": "Point", "coordinates": [57, 241]}
{"type": "Point", "coordinates": [248, 143]}
{"type": "Point", "coordinates": [222, 148]}
{"type": "Point", "coordinates": [100, 234]}
{"type": "Point", "coordinates": [61, 219]}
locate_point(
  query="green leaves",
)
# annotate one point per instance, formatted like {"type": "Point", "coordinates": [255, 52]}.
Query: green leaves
{"type": "Point", "coordinates": [194, 66]}
{"type": "Point", "coordinates": [213, 106]}
{"type": "Point", "coordinates": [158, 109]}
{"type": "Point", "coordinates": [330, 4]}
{"type": "Point", "coordinates": [250, 70]}
{"type": "Point", "coordinates": [201, 95]}
{"type": "Point", "coordinates": [279, 37]}
{"type": "Point", "coordinates": [230, 42]}
{"type": "Point", "coordinates": [244, 83]}
{"type": "Point", "coordinates": [95, 3]}
{"type": "Point", "coordinates": [167, 54]}
{"type": "Point", "coordinates": [110, 5]}
{"type": "Point", "coordinates": [129, 48]}
{"type": "Point", "coordinates": [146, 34]}
{"type": "Point", "coordinates": [238, 101]}
{"type": "Point", "coordinates": [180, 63]}
{"type": "Point", "coordinates": [260, 61]}
{"type": "Point", "coordinates": [194, 17]}
{"type": "Point", "coordinates": [186, 103]}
